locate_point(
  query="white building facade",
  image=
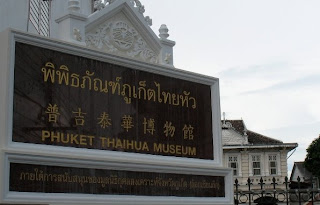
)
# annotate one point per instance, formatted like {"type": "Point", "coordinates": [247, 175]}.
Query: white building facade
{"type": "Point", "coordinates": [252, 155]}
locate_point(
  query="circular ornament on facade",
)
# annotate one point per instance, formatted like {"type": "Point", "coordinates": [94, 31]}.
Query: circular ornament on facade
{"type": "Point", "coordinates": [123, 35]}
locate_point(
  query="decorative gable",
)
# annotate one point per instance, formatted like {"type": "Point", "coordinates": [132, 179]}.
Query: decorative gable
{"type": "Point", "coordinates": [120, 28]}
{"type": "Point", "coordinates": [118, 35]}
{"type": "Point", "coordinates": [117, 27]}
{"type": "Point", "coordinates": [231, 137]}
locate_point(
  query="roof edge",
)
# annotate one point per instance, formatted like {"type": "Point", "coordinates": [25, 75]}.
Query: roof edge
{"type": "Point", "coordinates": [265, 136]}
{"type": "Point", "coordinates": [253, 146]}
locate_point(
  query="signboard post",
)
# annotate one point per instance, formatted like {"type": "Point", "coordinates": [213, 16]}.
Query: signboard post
{"type": "Point", "coordinates": [85, 127]}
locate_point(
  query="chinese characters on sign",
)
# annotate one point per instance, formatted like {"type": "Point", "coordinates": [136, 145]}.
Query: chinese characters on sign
{"type": "Point", "coordinates": [85, 103]}
{"type": "Point", "coordinates": [127, 122]}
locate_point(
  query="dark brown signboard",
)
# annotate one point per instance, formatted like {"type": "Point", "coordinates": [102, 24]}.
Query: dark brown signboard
{"type": "Point", "coordinates": [55, 179]}
{"type": "Point", "coordinates": [67, 100]}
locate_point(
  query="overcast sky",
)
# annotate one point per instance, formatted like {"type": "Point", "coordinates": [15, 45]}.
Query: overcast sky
{"type": "Point", "coordinates": [266, 54]}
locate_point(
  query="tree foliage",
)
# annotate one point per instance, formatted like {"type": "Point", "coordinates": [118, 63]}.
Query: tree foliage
{"type": "Point", "coordinates": [312, 161]}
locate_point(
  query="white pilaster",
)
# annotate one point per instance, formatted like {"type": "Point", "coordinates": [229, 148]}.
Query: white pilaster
{"type": "Point", "coordinates": [5, 104]}
{"type": "Point", "coordinates": [166, 53]}
{"type": "Point", "coordinates": [71, 26]}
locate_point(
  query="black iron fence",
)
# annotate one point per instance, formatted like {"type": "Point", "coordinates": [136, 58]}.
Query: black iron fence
{"type": "Point", "coordinates": [293, 193]}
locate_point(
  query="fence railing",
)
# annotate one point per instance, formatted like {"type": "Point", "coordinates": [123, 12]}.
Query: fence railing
{"type": "Point", "coordinates": [292, 193]}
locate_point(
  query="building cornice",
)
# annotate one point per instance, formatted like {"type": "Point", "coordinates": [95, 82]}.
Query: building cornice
{"type": "Point", "coordinates": [262, 146]}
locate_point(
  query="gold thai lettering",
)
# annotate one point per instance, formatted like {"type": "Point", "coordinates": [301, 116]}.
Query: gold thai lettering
{"type": "Point", "coordinates": [134, 92]}
{"type": "Point", "coordinates": [115, 86]}
{"type": "Point", "coordinates": [32, 176]}
{"type": "Point", "coordinates": [127, 93]}
{"type": "Point", "coordinates": [75, 81]}
{"type": "Point", "coordinates": [151, 94]}
{"type": "Point", "coordinates": [159, 91]}
{"type": "Point", "coordinates": [98, 85]}
{"type": "Point", "coordinates": [48, 72]}
{"type": "Point", "coordinates": [87, 80]}
{"type": "Point", "coordinates": [166, 97]}
{"type": "Point", "coordinates": [65, 177]}
{"type": "Point", "coordinates": [142, 90]}
{"type": "Point", "coordinates": [185, 99]}
{"type": "Point", "coordinates": [175, 99]}
{"type": "Point", "coordinates": [24, 176]}
{"type": "Point", "coordinates": [205, 184]}
{"type": "Point", "coordinates": [194, 105]}
{"type": "Point", "coordinates": [63, 75]}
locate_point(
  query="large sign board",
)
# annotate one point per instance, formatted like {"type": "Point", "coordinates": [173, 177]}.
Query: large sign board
{"type": "Point", "coordinates": [80, 126]}
{"type": "Point", "coordinates": [57, 179]}
{"type": "Point", "coordinates": [67, 100]}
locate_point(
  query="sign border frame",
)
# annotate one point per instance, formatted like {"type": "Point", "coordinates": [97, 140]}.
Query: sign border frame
{"type": "Point", "coordinates": [130, 63]}
{"type": "Point", "coordinates": [34, 197]}
{"type": "Point", "coordinates": [27, 153]}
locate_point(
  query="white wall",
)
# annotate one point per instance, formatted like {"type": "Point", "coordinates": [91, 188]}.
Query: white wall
{"type": "Point", "coordinates": [60, 7]}
{"type": "Point", "coordinates": [245, 169]}
{"type": "Point", "coordinates": [14, 14]}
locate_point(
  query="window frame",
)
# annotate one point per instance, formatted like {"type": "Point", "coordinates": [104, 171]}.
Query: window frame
{"type": "Point", "coordinates": [256, 160]}
{"type": "Point", "coordinates": [229, 163]}
{"type": "Point", "coordinates": [251, 164]}
{"type": "Point", "coordinates": [275, 158]}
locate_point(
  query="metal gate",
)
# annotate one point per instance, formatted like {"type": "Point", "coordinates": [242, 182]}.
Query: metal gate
{"type": "Point", "coordinates": [262, 196]}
